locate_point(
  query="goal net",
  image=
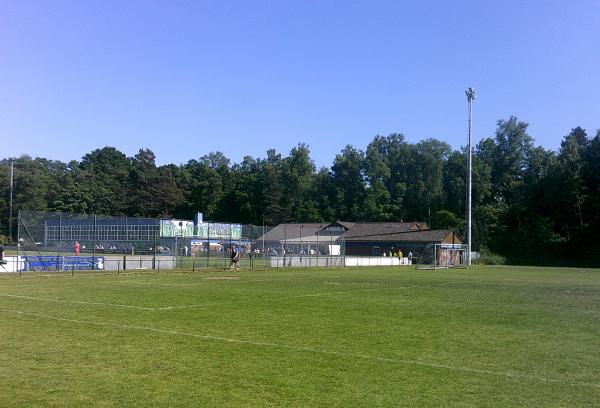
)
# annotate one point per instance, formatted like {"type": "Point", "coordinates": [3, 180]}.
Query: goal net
{"type": "Point", "coordinates": [436, 256]}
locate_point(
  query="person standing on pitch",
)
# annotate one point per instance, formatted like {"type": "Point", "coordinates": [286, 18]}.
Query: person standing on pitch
{"type": "Point", "coordinates": [235, 258]}
{"type": "Point", "coordinates": [76, 248]}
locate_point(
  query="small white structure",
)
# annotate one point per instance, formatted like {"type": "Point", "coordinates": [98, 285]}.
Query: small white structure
{"type": "Point", "coordinates": [13, 264]}
{"type": "Point", "coordinates": [340, 261]}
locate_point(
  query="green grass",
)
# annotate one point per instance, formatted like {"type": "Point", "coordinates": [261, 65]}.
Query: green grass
{"type": "Point", "coordinates": [488, 336]}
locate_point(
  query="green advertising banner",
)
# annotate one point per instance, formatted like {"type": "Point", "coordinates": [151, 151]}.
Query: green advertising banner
{"type": "Point", "coordinates": [215, 230]}
{"type": "Point", "coordinates": [176, 228]}
{"type": "Point", "coordinates": [205, 230]}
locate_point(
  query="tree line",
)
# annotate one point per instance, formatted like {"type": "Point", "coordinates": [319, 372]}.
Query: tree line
{"type": "Point", "coordinates": [529, 203]}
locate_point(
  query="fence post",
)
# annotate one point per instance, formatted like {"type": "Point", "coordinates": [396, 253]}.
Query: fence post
{"type": "Point", "coordinates": [283, 245]}
{"type": "Point", "coordinates": [231, 243]}
{"type": "Point", "coordinates": [59, 233]}
{"type": "Point", "coordinates": [156, 233]}
{"type": "Point", "coordinates": [208, 245]}
{"type": "Point", "coordinates": [94, 244]}
{"type": "Point", "coordinates": [18, 237]}
{"type": "Point", "coordinates": [194, 266]}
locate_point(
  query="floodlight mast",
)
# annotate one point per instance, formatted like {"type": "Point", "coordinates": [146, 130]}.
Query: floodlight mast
{"type": "Point", "coordinates": [470, 97]}
{"type": "Point", "coordinates": [10, 211]}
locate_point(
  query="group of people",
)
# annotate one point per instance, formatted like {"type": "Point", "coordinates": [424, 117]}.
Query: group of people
{"type": "Point", "coordinates": [399, 254]}
{"type": "Point", "coordinates": [163, 249]}
{"type": "Point", "coordinates": [100, 247]}
{"type": "Point", "coordinates": [290, 251]}
{"type": "Point", "coordinates": [123, 248]}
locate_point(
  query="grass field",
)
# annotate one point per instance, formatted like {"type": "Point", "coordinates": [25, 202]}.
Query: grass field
{"type": "Point", "coordinates": [487, 336]}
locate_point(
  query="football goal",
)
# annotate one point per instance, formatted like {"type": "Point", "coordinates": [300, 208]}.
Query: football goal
{"type": "Point", "coordinates": [436, 256]}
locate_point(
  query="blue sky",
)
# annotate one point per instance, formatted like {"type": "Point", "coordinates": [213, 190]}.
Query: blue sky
{"type": "Point", "coordinates": [184, 78]}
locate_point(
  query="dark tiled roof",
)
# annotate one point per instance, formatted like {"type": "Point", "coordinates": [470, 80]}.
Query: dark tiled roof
{"type": "Point", "coordinates": [290, 231]}
{"type": "Point", "coordinates": [409, 236]}
{"type": "Point", "coordinates": [368, 229]}
{"type": "Point", "coordinates": [364, 232]}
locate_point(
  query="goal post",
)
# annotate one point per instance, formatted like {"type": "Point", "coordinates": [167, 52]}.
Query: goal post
{"type": "Point", "coordinates": [437, 256]}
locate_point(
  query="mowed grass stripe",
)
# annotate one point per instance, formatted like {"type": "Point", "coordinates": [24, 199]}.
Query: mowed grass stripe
{"type": "Point", "coordinates": [298, 348]}
{"type": "Point", "coordinates": [103, 304]}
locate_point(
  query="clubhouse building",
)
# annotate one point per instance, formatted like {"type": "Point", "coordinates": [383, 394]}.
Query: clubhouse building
{"type": "Point", "coordinates": [355, 238]}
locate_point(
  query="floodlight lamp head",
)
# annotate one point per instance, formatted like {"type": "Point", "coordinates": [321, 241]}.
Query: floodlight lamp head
{"type": "Point", "coordinates": [470, 94]}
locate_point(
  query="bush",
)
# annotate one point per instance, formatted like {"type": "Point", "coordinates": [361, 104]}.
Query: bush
{"type": "Point", "coordinates": [489, 258]}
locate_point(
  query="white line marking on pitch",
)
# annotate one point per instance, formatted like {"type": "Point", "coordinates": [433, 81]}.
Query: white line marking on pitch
{"type": "Point", "coordinates": [79, 302]}
{"type": "Point", "coordinates": [320, 351]}
{"type": "Point", "coordinates": [163, 284]}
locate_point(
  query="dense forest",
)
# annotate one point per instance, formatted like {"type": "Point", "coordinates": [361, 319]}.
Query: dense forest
{"type": "Point", "coordinates": [529, 204]}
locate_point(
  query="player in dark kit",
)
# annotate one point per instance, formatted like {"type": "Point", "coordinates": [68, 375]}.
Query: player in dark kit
{"type": "Point", "coordinates": [235, 258]}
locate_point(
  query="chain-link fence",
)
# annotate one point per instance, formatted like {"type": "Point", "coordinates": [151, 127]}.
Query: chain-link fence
{"type": "Point", "coordinates": [57, 241]}
{"type": "Point", "coordinates": [304, 245]}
